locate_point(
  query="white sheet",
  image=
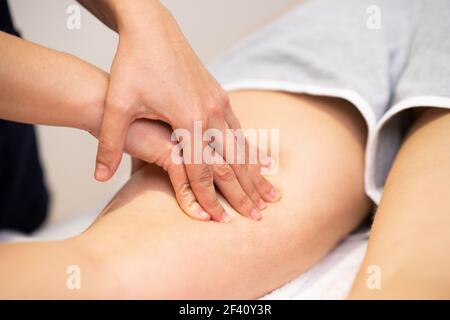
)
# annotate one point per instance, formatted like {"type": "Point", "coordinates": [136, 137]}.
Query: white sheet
{"type": "Point", "coordinates": [329, 279]}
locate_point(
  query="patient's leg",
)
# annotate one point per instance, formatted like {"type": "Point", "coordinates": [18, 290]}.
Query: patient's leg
{"type": "Point", "coordinates": [410, 239]}
{"type": "Point", "coordinates": [158, 252]}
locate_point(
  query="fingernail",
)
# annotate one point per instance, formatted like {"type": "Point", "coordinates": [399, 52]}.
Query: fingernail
{"type": "Point", "coordinates": [261, 204]}
{"type": "Point", "coordinates": [225, 217]}
{"type": "Point", "coordinates": [101, 172]}
{"type": "Point", "coordinates": [256, 214]}
{"type": "Point", "coordinates": [204, 215]}
{"type": "Point", "coordinates": [274, 194]}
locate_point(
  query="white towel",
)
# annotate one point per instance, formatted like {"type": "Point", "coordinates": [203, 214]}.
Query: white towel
{"type": "Point", "coordinates": [331, 278]}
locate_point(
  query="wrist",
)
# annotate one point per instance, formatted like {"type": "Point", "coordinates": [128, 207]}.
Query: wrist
{"type": "Point", "coordinates": [136, 16]}
{"type": "Point", "coordinates": [89, 103]}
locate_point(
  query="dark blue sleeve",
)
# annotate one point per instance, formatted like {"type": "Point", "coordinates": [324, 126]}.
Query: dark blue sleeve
{"type": "Point", "coordinates": [23, 193]}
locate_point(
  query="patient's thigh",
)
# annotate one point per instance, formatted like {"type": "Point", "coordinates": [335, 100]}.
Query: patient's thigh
{"type": "Point", "coordinates": [321, 180]}
{"type": "Point", "coordinates": [410, 239]}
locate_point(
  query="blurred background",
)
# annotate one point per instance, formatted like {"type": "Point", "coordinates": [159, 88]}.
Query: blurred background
{"type": "Point", "coordinates": [69, 155]}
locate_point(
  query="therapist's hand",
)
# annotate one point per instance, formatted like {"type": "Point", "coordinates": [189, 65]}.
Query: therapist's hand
{"type": "Point", "coordinates": [156, 75]}
{"type": "Point", "coordinates": [150, 141]}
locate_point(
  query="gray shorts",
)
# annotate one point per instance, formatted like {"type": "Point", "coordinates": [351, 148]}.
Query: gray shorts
{"type": "Point", "coordinates": [384, 56]}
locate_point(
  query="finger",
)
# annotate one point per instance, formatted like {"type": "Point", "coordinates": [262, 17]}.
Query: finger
{"type": "Point", "coordinates": [111, 142]}
{"type": "Point", "coordinates": [264, 188]}
{"type": "Point", "coordinates": [201, 180]}
{"type": "Point", "coordinates": [246, 182]}
{"type": "Point", "coordinates": [240, 169]}
{"type": "Point", "coordinates": [225, 179]}
{"type": "Point", "coordinates": [156, 147]}
{"type": "Point", "coordinates": [231, 118]}
{"type": "Point", "coordinates": [184, 194]}
{"type": "Point", "coordinates": [267, 191]}
{"type": "Point", "coordinates": [233, 123]}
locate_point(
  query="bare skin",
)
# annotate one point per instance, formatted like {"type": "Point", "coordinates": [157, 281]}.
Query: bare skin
{"type": "Point", "coordinates": [143, 246]}
{"type": "Point", "coordinates": [409, 240]}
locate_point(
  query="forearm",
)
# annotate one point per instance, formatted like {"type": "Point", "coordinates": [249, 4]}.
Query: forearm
{"type": "Point", "coordinates": [44, 86]}
{"type": "Point", "coordinates": [42, 270]}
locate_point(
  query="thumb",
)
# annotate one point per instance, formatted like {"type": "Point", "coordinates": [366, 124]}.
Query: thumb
{"type": "Point", "coordinates": [111, 142]}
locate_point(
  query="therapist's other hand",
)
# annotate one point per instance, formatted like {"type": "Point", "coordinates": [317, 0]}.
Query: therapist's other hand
{"type": "Point", "coordinates": [149, 141]}
{"type": "Point", "coordinates": [156, 75]}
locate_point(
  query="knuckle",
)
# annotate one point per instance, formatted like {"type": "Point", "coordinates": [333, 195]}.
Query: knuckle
{"type": "Point", "coordinates": [215, 110]}
{"type": "Point", "coordinates": [222, 98]}
{"type": "Point", "coordinates": [167, 150]}
{"type": "Point", "coordinates": [223, 173]}
{"type": "Point", "coordinates": [243, 167]}
{"type": "Point", "coordinates": [254, 195]}
{"type": "Point", "coordinates": [107, 146]}
{"type": "Point", "coordinates": [243, 201]}
{"type": "Point", "coordinates": [205, 178]}
{"type": "Point", "coordinates": [118, 106]}
{"type": "Point", "coordinates": [186, 195]}
{"type": "Point", "coordinates": [184, 189]}
{"type": "Point", "coordinates": [217, 103]}
{"type": "Point", "coordinates": [263, 184]}
{"type": "Point", "coordinates": [255, 171]}
{"type": "Point", "coordinates": [196, 117]}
